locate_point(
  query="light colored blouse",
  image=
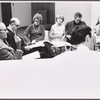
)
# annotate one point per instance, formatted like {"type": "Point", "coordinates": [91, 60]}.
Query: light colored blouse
{"type": "Point", "coordinates": [57, 32]}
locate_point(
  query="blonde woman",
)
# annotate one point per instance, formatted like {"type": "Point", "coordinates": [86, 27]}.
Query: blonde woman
{"type": "Point", "coordinates": [57, 32]}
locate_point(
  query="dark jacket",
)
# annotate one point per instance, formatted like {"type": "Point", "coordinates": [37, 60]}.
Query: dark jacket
{"type": "Point", "coordinates": [10, 39]}
{"type": "Point", "coordinates": [70, 25]}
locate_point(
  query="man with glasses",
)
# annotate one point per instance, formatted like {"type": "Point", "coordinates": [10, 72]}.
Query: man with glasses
{"type": "Point", "coordinates": [70, 26]}
{"type": "Point", "coordinates": [7, 52]}
{"type": "Point", "coordinates": [12, 38]}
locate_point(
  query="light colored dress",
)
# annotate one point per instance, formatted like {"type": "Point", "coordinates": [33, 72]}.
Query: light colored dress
{"type": "Point", "coordinates": [57, 34]}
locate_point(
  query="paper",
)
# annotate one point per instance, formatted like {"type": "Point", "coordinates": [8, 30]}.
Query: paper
{"type": "Point", "coordinates": [37, 44]}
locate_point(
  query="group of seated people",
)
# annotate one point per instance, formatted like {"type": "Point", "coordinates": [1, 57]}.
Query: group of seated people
{"type": "Point", "coordinates": [61, 37]}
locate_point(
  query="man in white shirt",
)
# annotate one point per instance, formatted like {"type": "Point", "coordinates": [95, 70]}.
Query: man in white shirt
{"type": "Point", "coordinates": [84, 41]}
{"type": "Point", "coordinates": [82, 36]}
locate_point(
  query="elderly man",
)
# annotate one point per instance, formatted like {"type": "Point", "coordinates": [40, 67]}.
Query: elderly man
{"type": "Point", "coordinates": [12, 38]}
{"type": "Point", "coordinates": [70, 25]}
{"type": "Point", "coordinates": [7, 52]}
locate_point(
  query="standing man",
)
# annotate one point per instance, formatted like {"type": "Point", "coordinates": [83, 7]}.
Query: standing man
{"type": "Point", "coordinates": [70, 26]}
{"type": "Point", "coordinates": [12, 38]}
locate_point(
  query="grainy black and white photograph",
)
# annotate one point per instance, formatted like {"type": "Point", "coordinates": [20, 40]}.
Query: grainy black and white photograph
{"type": "Point", "coordinates": [49, 50]}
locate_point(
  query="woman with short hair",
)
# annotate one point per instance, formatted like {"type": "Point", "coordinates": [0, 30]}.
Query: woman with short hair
{"type": "Point", "coordinates": [57, 33]}
{"type": "Point", "coordinates": [35, 32]}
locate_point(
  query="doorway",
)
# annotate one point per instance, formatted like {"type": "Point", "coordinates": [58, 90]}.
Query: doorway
{"type": "Point", "coordinates": [6, 13]}
{"type": "Point", "coordinates": [47, 10]}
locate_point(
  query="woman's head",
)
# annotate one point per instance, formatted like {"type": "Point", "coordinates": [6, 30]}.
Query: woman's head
{"type": "Point", "coordinates": [37, 19]}
{"type": "Point", "coordinates": [59, 19]}
{"type": "Point", "coordinates": [98, 21]}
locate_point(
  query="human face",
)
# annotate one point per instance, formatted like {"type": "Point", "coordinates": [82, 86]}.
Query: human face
{"type": "Point", "coordinates": [78, 19]}
{"type": "Point", "coordinates": [3, 33]}
{"type": "Point", "coordinates": [16, 26]}
{"type": "Point", "coordinates": [59, 21]}
{"type": "Point", "coordinates": [36, 22]}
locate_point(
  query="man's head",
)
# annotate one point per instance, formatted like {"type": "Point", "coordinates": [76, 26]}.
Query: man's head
{"type": "Point", "coordinates": [78, 17]}
{"type": "Point", "coordinates": [3, 33]}
{"type": "Point", "coordinates": [14, 23]}
{"type": "Point", "coordinates": [82, 34]}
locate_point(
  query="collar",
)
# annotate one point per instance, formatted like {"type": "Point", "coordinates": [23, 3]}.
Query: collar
{"type": "Point", "coordinates": [10, 29]}
{"type": "Point", "coordinates": [82, 47]}
{"type": "Point", "coordinates": [76, 23]}
{"type": "Point", "coordinates": [1, 40]}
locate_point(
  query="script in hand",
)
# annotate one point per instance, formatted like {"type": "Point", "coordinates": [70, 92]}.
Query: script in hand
{"type": "Point", "coordinates": [38, 44]}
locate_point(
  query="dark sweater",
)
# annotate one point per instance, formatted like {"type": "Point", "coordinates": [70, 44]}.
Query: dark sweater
{"type": "Point", "coordinates": [70, 25]}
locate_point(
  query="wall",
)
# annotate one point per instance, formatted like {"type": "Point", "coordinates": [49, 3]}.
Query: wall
{"type": "Point", "coordinates": [23, 12]}
{"type": "Point", "coordinates": [95, 13]}
{"type": "Point", "coordinates": [68, 9]}
{"type": "Point", "coordinates": [0, 14]}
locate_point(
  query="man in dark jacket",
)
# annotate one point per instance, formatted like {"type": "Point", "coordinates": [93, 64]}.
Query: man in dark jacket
{"type": "Point", "coordinates": [12, 38]}
{"type": "Point", "coordinates": [72, 24]}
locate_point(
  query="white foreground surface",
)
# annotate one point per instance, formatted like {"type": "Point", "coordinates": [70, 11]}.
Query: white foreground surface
{"type": "Point", "coordinates": [70, 75]}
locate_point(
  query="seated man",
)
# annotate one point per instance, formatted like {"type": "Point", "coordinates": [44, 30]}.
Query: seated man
{"type": "Point", "coordinates": [12, 38]}
{"type": "Point", "coordinates": [82, 37]}
{"type": "Point", "coordinates": [7, 52]}
{"type": "Point", "coordinates": [70, 26]}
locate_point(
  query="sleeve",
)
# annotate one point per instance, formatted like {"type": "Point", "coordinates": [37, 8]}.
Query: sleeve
{"type": "Point", "coordinates": [11, 41]}
{"type": "Point", "coordinates": [43, 34]}
{"type": "Point", "coordinates": [84, 23]}
{"type": "Point", "coordinates": [51, 32]}
{"type": "Point", "coordinates": [94, 29]}
{"type": "Point", "coordinates": [26, 33]}
{"type": "Point", "coordinates": [66, 28]}
{"type": "Point", "coordinates": [6, 55]}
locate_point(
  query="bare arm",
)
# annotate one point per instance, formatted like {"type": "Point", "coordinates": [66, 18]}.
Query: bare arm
{"type": "Point", "coordinates": [26, 33]}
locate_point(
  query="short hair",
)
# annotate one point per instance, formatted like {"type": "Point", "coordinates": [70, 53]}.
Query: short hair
{"type": "Point", "coordinates": [2, 25]}
{"type": "Point", "coordinates": [60, 16]}
{"type": "Point", "coordinates": [13, 20]}
{"type": "Point", "coordinates": [78, 14]}
{"type": "Point", "coordinates": [79, 33]}
{"type": "Point", "coordinates": [38, 16]}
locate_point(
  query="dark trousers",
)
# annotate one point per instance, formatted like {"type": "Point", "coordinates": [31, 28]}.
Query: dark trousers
{"type": "Point", "coordinates": [42, 51]}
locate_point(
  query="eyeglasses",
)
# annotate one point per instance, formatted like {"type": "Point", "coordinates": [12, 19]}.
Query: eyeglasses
{"type": "Point", "coordinates": [36, 21]}
{"type": "Point", "coordinates": [16, 25]}
{"type": "Point", "coordinates": [5, 30]}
